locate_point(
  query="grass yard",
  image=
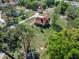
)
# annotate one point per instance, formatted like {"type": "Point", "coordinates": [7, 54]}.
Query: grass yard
{"type": "Point", "coordinates": [40, 40]}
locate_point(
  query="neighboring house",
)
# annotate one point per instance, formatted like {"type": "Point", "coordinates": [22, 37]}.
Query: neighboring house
{"type": "Point", "coordinates": [3, 56]}
{"type": "Point", "coordinates": [13, 2]}
{"type": "Point", "coordinates": [4, 3]}
{"type": "Point", "coordinates": [2, 21]}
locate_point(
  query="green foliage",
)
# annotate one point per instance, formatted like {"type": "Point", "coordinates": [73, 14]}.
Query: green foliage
{"type": "Point", "coordinates": [9, 40]}
{"type": "Point", "coordinates": [56, 14]}
{"type": "Point", "coordinates": [50, 2]}
{"type": "Point", "coordinates": [76, 23]}
{"type": "Point", "coordinates": [64, 6]}
{"type": "Point", "coordinates": [32, 4]}
{"type": "Point", "coordinates": [23, 2]}
{"type": "Point", "coordinates": [35, 5]}
{"type": "Point", "coordinates": [77, 12]}
{"type": "Point", "coordinates": [60, 44]}
{"type": "Point", "coordinates": [72, 12]}
{"type": "Point", "coordinates": [29, 5]}
{"type": "Point", "coordinates": [74, 53]}
{"type": "Point", "coordinates": [13, 40]}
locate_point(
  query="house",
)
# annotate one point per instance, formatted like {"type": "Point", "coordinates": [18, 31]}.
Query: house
{"type": "Point", "coordinates": [2, 21]}
{"type": "Point", "coordinates": [42, 20]}
{"type": "Point", "coordinates": [3, 56]}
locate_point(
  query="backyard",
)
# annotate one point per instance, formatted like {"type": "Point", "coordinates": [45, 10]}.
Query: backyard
{"type": "Point", "coordinates": [39, 29]}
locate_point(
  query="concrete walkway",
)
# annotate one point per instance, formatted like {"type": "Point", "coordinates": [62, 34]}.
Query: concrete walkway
{"type": "Point", "coordinates": [34, 16]}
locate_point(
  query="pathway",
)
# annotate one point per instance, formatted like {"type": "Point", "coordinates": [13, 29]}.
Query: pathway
{"type": "Point", "coordinates": [34, 16]}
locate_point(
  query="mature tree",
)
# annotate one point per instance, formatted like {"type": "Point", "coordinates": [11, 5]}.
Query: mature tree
{"type": "Point", "coordinates": [61, 44]}
{"type": "Point", "coordinates": [23, 2]}
{"type": "Point", "coordinates": [18, 39]}
{"type": "Point", "coordinates": [50, 2]}
{"type": "Point", "coordinates": [72, 12]}
{"type": "Point", "coordinates": [72, 16]}
{"type": "Point", "coordinates": [64, 6]}
{"type": "Point", "coordinates": [76, 23]}
{"type": "Point", "coordinates": [56, 13]}
{"type": "Point", "coordinates": [26, 35]}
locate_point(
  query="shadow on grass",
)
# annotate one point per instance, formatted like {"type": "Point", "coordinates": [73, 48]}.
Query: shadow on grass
{"type": "Point", "coordinates": [57, 27]}
{"type": "Point", "coordinates": [43, 26]}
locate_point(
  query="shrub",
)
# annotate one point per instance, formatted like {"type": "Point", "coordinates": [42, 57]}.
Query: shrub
{"type": "Point", "coordinates": [50, 2]}
{"type": "Point", "coordinates": [22, 2]}
{"type": "Point", "coordinates": [73, 54]}
{"type": "Point", "coordinates": [71, 12]}
{"type": "Point", "coordinates": [35, 5]}
{"type": "Point", "coordinates": [64, 6]}
{"type": "Point", "coordinates": [76, 23]}
{"type": "Point", "coordinates": [29, 5]}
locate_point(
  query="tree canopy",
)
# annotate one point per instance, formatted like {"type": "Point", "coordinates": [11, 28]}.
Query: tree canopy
{"type": "Point", "coordinates": [60, 44]}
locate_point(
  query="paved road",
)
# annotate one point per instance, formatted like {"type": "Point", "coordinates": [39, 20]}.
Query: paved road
{"type": "Point", "coordinates": [72, 3]}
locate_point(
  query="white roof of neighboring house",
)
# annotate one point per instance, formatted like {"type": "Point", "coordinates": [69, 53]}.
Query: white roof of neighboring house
{"type": "Point", "coordinates": [2, 21]}
{"type": "Point", "coordinates": [2, 55]}
{"type": "Point", "coordinates": [12, 27]}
